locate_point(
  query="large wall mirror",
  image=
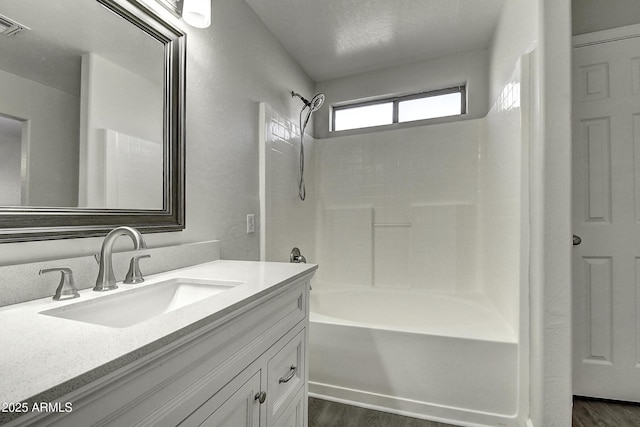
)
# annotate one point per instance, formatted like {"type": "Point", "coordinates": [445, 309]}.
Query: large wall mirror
{"type": "Point", "coordinates": [91, 119]}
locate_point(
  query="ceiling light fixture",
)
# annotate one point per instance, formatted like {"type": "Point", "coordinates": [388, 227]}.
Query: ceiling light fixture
{"type": "Point", "coordinates": [197, 13]}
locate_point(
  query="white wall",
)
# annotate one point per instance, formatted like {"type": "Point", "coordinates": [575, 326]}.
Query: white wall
{"type": "Point", "coordinates": [468, 67]}
{"type": "Point", "coordinates": [53, 133]}
{"type": "Point", "coordinates": [419, 185]}
{"type": "Point", "coordinates": [595, 15]}
{"type": "Point", "coordinates": [231, 66]}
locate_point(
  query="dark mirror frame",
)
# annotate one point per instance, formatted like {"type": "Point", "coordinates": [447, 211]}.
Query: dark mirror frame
{"type": "Point", "coordinates": [19, 224]}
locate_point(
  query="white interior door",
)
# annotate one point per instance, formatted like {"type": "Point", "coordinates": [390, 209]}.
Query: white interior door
{"type": "Point", "coordinates": [606, 215]}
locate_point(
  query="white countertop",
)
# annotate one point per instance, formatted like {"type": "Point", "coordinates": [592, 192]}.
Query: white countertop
{"type": "Point", "coordinates": [39, 353]}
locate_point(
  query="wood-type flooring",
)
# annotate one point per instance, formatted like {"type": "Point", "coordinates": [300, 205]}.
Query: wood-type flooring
{"type": "Point", "coordinates": [586, 413]}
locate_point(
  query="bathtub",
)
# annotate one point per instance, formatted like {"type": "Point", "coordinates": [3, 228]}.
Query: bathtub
{"type": "Point", "coordinates": [448, 358]}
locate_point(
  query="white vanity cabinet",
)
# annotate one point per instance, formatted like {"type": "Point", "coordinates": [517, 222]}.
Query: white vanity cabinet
{"type": "Point", "coordinates": [248, 367]}
{"type": "Point", "coordinates": [264, 394]}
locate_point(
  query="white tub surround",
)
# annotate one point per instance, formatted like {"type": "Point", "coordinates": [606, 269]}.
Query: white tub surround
{"type": "Point", "coordinates": [431, 220]}
{"type": "Point", "coordinates": [284, 217]}
{"type": "Point", "coordinates": [423, 237]}
{"type": "Point", "coordinates": [50, 359]}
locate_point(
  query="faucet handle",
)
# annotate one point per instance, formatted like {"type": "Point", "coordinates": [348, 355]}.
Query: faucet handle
{"type": "Point", "coordinates": [134, 275]}
{"type": "Point", "coordinates": [66, 288]}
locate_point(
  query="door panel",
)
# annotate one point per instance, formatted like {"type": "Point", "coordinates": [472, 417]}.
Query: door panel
{"type": "Point", "coordinates": [606, 215]}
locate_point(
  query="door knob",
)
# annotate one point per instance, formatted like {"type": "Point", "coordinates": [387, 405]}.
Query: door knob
{"type": "Point", "coordinates": [576, 240]}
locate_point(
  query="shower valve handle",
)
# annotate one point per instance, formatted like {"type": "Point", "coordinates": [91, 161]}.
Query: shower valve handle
{"type": "Point", "coordinates": [296, 257]}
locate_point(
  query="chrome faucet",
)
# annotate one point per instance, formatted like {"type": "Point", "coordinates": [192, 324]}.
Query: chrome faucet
{"type": "Point", "coordinates": [106, 279]}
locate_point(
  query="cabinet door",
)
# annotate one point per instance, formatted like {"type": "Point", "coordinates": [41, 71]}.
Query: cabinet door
{"type": "Point", "coordinates": [293, 415]}
{"type": "Point", "coordinates": [234, 405]}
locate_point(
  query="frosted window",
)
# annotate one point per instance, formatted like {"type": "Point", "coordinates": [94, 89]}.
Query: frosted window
{"type": "Point", "coordinates": [430, 107]}
{"type": "Point", "coordinates": [363, 117]}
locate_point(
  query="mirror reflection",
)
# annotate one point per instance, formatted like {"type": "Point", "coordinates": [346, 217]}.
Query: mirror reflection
{"type": "Point", "coordinates": [81, 111]}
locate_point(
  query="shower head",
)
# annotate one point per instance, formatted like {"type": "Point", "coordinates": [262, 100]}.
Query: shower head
{"type": "Point", "coordinates": [315, 103]}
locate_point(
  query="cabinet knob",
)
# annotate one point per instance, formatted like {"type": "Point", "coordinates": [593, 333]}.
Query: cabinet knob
{"type": "Point", "coordinates": [261, 397]}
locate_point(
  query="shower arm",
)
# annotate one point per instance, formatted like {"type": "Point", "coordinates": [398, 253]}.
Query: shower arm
{"type": "Point", "coordinates": [305, 100]}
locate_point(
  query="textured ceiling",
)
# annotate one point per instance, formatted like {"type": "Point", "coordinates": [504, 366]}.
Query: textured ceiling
{"type": "Point", "coordinates": [336, 38]}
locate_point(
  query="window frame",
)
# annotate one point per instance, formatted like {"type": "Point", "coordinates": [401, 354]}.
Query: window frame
{"type": "Point", "coordinates": [396, 100]}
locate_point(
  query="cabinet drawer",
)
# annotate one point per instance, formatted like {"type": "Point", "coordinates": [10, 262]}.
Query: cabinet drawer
{"type": "Point", "coordinates": [286, 373]}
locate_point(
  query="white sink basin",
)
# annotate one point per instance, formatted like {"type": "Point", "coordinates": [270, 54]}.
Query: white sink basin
{"type": "Point", "coordinates": [128, 308]}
